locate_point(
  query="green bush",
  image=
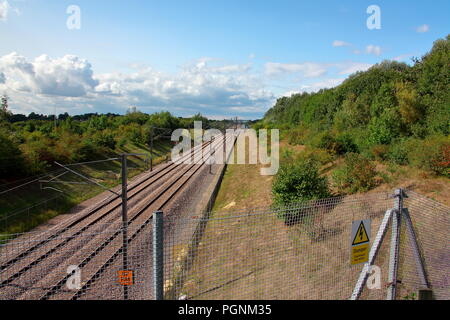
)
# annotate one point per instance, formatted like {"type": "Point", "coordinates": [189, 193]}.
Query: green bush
{"type": "Point", "coordinates": [323, 140]}
{"type": "Point", "coordinates": [384, 128]}
{"type": "Point", "coordinates": [320, 156]}
{"type": "Point", "coordinates": [104, 138]}
{"type": "Point", "coordinates": [380, 152]}
{"type": "Point", "coordinates": [398, 152]}
{"type": "Point", "coordinates": [357, 174]}
{"type": "Point", "coordinates": [287, 156]}
{"type": "Point", "coordinates": [87, 151]}
{"type": "Point", "coordinates": [299, 181]}
{"type": "Point", "coordinates": [346, 143]}
{"type": "Point", "coordinates": [297, 136]}
{"type": "Point", "coordinates": [11, 159]}
{"type": "Point", "coordinates": [336, 144]}
{"type": "Point", "coordinates": [431, 154]}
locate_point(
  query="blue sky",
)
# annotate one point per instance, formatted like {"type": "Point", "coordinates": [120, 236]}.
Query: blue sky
{"type": "Point", "coordinates": [220, 58]}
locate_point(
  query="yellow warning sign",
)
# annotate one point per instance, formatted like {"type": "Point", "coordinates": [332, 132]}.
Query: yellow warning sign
{"type": "Point", "coordinates": [360, 254]}
{"type": "Point", "coordinates": [361, 235]}
{"type": "Point", "coordinates": [360, 240]}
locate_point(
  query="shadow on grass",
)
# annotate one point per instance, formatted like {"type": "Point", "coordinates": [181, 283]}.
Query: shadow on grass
{"type": "Point", "coordinates": [309, 216]}
{"type": "Point", "coordinates": [24, 220]}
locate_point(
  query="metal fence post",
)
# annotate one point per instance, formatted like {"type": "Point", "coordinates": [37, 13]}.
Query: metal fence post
{"type": "Point", "coordinates": [415, 250]}
{"type": "Point", "coordinates": [124, 221]}
{"type": "Point", "coordinates": [364, 275]}
{"type": "Point", "coordinates": [158, 256]}
{"type": "Point", "coordinates": [151, 148]}
{"type": "Point", "coordinates": [210, 154]}
{"type": "Point", "coordinates": [395, 244]}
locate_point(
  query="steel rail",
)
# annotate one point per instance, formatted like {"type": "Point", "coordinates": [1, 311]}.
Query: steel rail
{"type": "Point", "coordinates": [109, 201]}
{"type": "Point", "coordinates": [138, 213]}
{"type": "Point", "coordinates": [65, 241]}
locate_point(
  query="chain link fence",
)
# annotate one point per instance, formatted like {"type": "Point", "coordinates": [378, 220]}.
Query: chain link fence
{"type": "Point", "coordinates": [76, 264]}
{"type": "Point", "coordinates": [431, 223]}
{"type": "Point", "coordinates": [27, 204]}
{"type": "Point", "coordinates": [300, 252]}
{"type": "Point", "coordinates": [303, 251]}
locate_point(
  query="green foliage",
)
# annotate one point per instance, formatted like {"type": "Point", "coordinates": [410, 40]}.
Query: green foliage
{"type": "Point", "coordinates": [384, 128]}
{"type": "Point", "coordinates": [398, 152]}
{"type": "Point", "coordinates": [380, 151]}
{"type": "Point", "coordinates": [31, 144]}
{"type": "Point", "coordinates": [346, 143]}
{"type": "Point", "coordinates": [384, 99]}
{"type": "Point", "coordinates": [323, 140]}
{"type": "Point", "coordinates": [5, 114]}
{"type": "Point", "coordinates": [298, 136]}
{"type": "Point", "coordinates": [357, 174]}
{"type": "Point", "coordinates": [104, 138]}
{"type": "Point", "coordinates": [299, 181]}
{"type": "Point", "coordinates": [410, 107]}
{"type": "Point", "coordinates": [431, 154]}
{"type": "Point", "coordinates": [320, 156]}
{"type": "Point", "coordinates": [433, 81]}
{"type": "Point", "coordinates": [335, 144]}
{"type": "Point", "coordinates": [11, 158]}
{"type": "Point", "coordinates": [374, 112]}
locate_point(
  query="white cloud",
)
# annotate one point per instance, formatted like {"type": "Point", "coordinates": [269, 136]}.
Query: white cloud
{"type": "Point", "coordinates": [325, 84]}
{"type": "Point", "coordinates": [347, 68]}
{"type": "Point", "coordinates": [205, 85]}
{"type": "Point", "coordinates": [423, 28]}
{"type": "Point", "coordinates": [307, 69]}
{"type": "Point", "coordinates": [403, 57]}
{"type": "Point", "coordinates": [316, 86]}
{"type": "Point", "coordinates": [372, 49]}
{"type": "Point", "coordinates": [314, 70]}
{"type": "Point", "coordinates": [71, 83]}
{"type": "Point", "coordinates": [248, 109]}
{"type": "Point", "coordinates": [67, 76]}
{"type": "Point", "coordinates": [290, 93]}
{"type": "Point", "coordinates": [339, 43]}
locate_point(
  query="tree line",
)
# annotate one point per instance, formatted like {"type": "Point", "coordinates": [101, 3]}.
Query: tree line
{"type": "Point", "coordinates": [30, 144]}
{"type": "Point", "coordinates": [392, 112]}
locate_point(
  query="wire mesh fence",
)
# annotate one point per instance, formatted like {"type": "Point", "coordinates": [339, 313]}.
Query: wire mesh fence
{"type": "Point", "coordinates": [431, 223]}
{"type": "Point", "coordinates": [78, 265]}
{"type": "Point", "coordinates": [27, 204]}
{"type": "Point", "coordinates": [301, 251]}
{"type": "Point", "coordinates": [297, 252]}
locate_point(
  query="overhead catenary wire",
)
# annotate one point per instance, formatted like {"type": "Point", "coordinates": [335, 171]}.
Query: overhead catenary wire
{"type": "Point", "coordinates": [22, 185]}
{"type": "Point", "coordinates": [32, 177]}
{"type": "Point", "coordinates": [90, 162]}
{"type": "Point", "coordinates": [41, 176]}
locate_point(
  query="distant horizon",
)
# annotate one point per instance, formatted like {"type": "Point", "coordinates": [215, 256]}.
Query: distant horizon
{"type": "Point", "coordinates": [119, 115]}
{"type": "Point", "coordinates": [220, 59]}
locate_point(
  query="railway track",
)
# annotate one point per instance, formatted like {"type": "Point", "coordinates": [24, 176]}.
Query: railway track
{"type": "Point", "coordinates": [99, 211]}
{"type": "Point", "coordinates": [101, 245]}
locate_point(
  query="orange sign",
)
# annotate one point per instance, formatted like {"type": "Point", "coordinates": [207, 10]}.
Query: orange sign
{"type": "Point", "coordinates": [126, 277]}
